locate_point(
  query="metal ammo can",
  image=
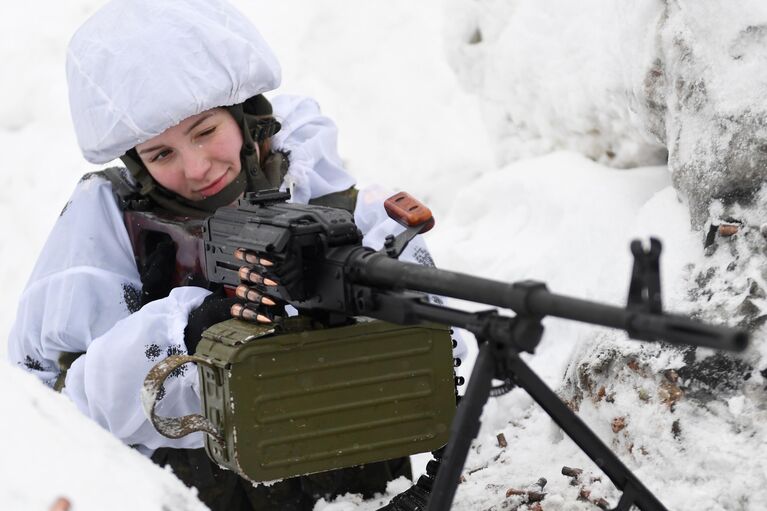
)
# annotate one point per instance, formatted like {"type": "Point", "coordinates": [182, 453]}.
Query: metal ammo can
{"type": "Point", "coordinates": [305, 401]}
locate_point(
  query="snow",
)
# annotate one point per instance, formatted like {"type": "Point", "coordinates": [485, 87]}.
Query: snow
{"type": "Point", "coordinates": [557, 75]}
{"type": "Point", "coordinates": [52, 450]}
{"type": "Point", "coordinates": [421, 109]}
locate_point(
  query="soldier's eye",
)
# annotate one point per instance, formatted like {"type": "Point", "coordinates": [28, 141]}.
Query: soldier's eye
{"type": "Point", "coordinates": [207, 132]}
{"type": "Point", "coordinates": [161, 155]}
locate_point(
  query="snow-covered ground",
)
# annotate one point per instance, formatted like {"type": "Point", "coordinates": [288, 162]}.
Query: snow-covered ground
{"type": "Point", "coordinates": [381, 70]}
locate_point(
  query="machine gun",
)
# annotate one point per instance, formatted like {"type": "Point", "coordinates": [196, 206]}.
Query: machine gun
{"type": "Point", "coordinates": [339, 278]}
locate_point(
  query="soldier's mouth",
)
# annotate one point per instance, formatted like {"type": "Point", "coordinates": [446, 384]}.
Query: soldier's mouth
{"type": "Point", "coordinates": [215, 187]}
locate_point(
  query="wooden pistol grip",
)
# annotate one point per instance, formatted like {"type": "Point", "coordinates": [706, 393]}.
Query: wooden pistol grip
{"type": "Point", "coordinates": [408, 211]}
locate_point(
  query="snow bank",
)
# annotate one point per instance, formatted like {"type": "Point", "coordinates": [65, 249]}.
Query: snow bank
{"type": "Point", "coordinates": [622, 83]}
{"type": "Point", "coordinates": [555, 75]}
{"type": "Point", "coordinates": [605, 80]}
{"type": "Point", "coordinates": [52, 451]}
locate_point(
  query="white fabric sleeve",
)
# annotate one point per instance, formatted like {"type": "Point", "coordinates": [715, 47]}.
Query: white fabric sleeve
{"type": "Point", "coordinates": [311, 141]}
{"type": "Point", "coordinates": [83, 282]}
{"type": "Point", "coordinates": [372, 219]}
{"type": "Point", "coordinates": [105, 383]}
{"type": "Point", "coordinates": [83, 297]}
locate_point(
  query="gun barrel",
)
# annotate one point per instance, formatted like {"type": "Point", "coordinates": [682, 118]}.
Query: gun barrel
{"type": "Point", "coordinates": [534, 299]}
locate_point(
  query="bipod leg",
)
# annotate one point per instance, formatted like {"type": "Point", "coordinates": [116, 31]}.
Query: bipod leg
{"type": "Point", "coordinates": [464, 429]}
{"type": "Point", "coordinates": [627, 499]}
{"type": "Point", "coordinates": [416, 497]}
{"type": "Point", "coordinates": [634, 492]}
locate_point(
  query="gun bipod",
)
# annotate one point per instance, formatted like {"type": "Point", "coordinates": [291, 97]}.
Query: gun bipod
{"type": "Point", "coordinates": [498, 358]}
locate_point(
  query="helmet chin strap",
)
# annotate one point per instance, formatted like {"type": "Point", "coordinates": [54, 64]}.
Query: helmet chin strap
{"type": "Point", "coordinates": [225, 197]}
{"type": "Point", "coordinates": [249, 154]}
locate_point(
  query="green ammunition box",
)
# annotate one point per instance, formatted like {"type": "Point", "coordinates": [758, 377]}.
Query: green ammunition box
{"type": "Point", "coordinates": [314, 400]}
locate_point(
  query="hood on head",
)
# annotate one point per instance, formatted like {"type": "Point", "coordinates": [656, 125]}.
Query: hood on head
{"type": "Point", "coordinates": [138, 67]}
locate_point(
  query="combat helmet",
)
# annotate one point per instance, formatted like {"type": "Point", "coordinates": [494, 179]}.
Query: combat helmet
{"type": "Point", "coordinates": [139, 67]}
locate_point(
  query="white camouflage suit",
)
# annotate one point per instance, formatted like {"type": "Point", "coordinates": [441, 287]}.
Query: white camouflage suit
{"type": "Point", "coordinates": [83, 294]}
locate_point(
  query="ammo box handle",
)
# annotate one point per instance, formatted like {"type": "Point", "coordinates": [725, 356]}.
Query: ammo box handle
{"type": "Point", "coordinates": [173, 427]}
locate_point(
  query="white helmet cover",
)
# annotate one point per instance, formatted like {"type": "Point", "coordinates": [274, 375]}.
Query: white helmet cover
{"type": "Point", "coordinates": [138, 67]}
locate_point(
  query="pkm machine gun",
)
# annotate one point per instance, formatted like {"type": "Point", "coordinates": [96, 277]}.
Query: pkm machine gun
{"type": "Point", "coordinates": [341, 278]}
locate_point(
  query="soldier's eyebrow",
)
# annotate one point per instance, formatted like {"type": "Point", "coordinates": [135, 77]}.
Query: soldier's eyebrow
{"type": "Point", "coordinates": [198, 122]}
{"type": "Point", "coordinates": [150, 149]}
{"type": "Point", "coordinates": [186, 132]}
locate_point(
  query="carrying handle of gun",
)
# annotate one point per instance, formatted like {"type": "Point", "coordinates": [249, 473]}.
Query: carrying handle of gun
{"type": "Point", "coordinates": [408, 211]}
{"type": "Point", "coordinates": [173, 427]}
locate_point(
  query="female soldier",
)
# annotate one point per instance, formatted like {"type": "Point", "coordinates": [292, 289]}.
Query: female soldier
{"type": "Point", "coordinates": [174, 88]}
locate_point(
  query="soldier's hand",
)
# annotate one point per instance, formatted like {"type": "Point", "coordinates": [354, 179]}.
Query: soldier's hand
{"type": "Point", "coordinates": [157, 272]}
{"type": "Point", "coordinates": [214, 308]}
{"type": "Point", "coordinates": [258, 289]}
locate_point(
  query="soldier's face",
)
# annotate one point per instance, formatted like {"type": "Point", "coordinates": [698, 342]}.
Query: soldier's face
{"type": "Point", "coordinates": [197, 158]}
